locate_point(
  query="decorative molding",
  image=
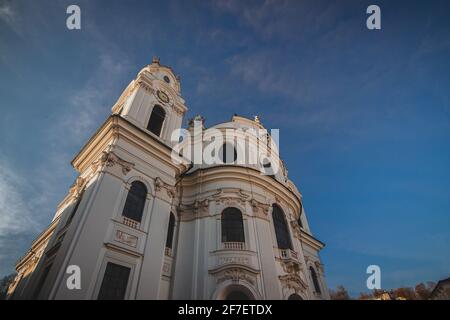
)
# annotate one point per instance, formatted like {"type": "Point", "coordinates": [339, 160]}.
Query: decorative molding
{"type": "Point", "coordinates": [291, 267]}
{"type": "Point", "coordinates": [233, 260]}
{"type": "Point", "coordinates": [296, 229]}
{"type": "Point", "coordinates": [197, 209]}
{"type": "Point", "coordinates": [168, 91]}
{"type": "Point", "coordinates": [230, 196]}
{"type": "Point", "coordinates": [236, 275]}
{"type": "Point", "coordinates": [126, 238]}
{"type": "Point", "coordinates": [177, 109]}
{"type": "Point", "coordinates": [260, 209]}
{"type": "Point", "coordinates": [319, 266]}
{"type": "Point", "coordinates": [146, 86]}
{"type": "Point", "coordinates": [294, 282]}
{"type": "Point", "coordinates": [27, 264]}
{"type": "Point", "coordinates": [77, 188]}
{"type": "Point", "coordinates": [110, 159]}
{"type": "Point", "coordinates": [162, 96]}
{"type": "Point", "coordinates": [160, 184]}
{"type": "Point", "coordinates": [309, 240]}
{"type": "Point", "coordinates": [167, 266]}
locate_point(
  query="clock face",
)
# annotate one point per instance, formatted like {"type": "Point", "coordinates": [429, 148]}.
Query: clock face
{"type": "Point", "coordinates": [163, 96]}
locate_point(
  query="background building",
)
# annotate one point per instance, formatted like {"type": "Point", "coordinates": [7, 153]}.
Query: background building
{"type": "Point", "coordinates": [141, 226]}
{"type": "Point", "coordinates": [441, 291]}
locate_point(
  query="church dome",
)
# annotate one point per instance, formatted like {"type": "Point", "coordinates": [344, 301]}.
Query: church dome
{"type": "Point", "coordinates": [245, 143]}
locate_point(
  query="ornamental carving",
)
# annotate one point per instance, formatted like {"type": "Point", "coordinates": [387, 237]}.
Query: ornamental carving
{"type": "Point", "coordinates": [32, 258]}
{"type": "Point", "coordinates": [296, 229]}
{"type": "Point", "coordinates": [125, 238]}
{"type": "Point", "coordinates": [147, 87]}
{"type": "Point", "coordinates": [236, 275]}
{"type": "Point", "coordinates": [315, 263]}
{"type": "Point", "coordinates": [230, 196]}
{"type": "Point", "coordinates": [77, 187]}
{"type": "Point", "coordinates": [110, 159]}
{"type": "Point", "coordinates": [162, 96]}
{"type": "Point", "coordinates": [200, 204]}
{"type": "Point", "coordinates": [319, 266]}
{"type": "Point", "coordinates": [294, 282]}
{"type": "Point", "coordinates": [197, 209]}
{"type": "Point", "coordinates": [177, 110]}
{"type": "Point", "coordinates": [160, 184]}
{"type": "Point", "coordinates": [166, 268]}
{"type": "Point", "coordinates": [259, 208]}
{"type": "Point", "coordinates": [233, 260]}
{"type": "Point", "coordinates": [291, 267]}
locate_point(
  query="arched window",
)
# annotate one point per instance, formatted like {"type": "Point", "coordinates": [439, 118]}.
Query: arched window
{"type": "Point", "coordinates": [232, 226]}
{"type": "Point", "coordinates": [134, 205]}
{"type": "Point", "coordinates": [228, 153]}
{"type": "Point", "coordinates": [236, 292]}
{"type": "Point", "coordinates": [281, 228]}
{"type": "Point", "coordinates": [315, 280]}
{"type": "Point", "coordinates": [294, 296]}
{"type": "Point", "coordinates": [237, 295]}
{"type": "Point", "coordinates": [156, 120]}
{"type": "Point", "coordinates": [170, 231]}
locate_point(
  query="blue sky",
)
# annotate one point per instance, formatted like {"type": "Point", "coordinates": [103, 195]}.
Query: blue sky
{"type": "Point", "coordinates": [364, 116]}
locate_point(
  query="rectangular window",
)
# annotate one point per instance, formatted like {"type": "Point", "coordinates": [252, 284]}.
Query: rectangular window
{"type": "Point", "coordinates": [115, 281]}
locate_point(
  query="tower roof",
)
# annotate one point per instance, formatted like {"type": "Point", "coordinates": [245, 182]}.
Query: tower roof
{"type": "Point", "coordinates": [166, 73]}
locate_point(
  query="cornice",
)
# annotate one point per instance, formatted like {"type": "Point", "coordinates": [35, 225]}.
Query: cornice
{"type": "Point", "coordinates": [37, 244]}
{"type": "Point", "coordinates": [246, 175]}
{"type": "Point", "coordinates": [308, 239]}
{"type": "Point", "coordinates": [234, 266]}
{"type": "Point", "coordinates": [116, 127]}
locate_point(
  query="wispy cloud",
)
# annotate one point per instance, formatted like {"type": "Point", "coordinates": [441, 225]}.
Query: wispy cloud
{"type": "Point", "coordinates": [262, 70]}
{"type": "Point", "coordinates": [10, 16]}
{"type": "Point", "coordinates": [90, 104]}
{"type": "Point", "coordinates": [19, 221]}
{"type": "Point", "coordinates": [274, 19]}
{"type": "Point", "coordinates": [15, 209]}
{"type": "Point", "coordinates": [27, 205]}
{"type": "Point", "coordinates": [7, 14]}
{"type": "Point", "coordinates": [28, 198]}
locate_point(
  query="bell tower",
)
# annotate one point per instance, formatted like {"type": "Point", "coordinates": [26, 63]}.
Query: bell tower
{"type": "Point", "coordinates": [153, 101]}
{"type": "Point", "coordinates": [116, 217]}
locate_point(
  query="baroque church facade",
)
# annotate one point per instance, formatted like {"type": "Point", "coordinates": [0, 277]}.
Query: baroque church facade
{"type": "Point", "coordinates": [137, 225]}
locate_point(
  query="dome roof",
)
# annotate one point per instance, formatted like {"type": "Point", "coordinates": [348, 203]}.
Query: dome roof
{"type": "Point", "coordinates": [239, 122]}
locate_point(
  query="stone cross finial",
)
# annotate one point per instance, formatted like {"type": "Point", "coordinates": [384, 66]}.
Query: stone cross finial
{"type": "Point", "coordinates": [155, 60]}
